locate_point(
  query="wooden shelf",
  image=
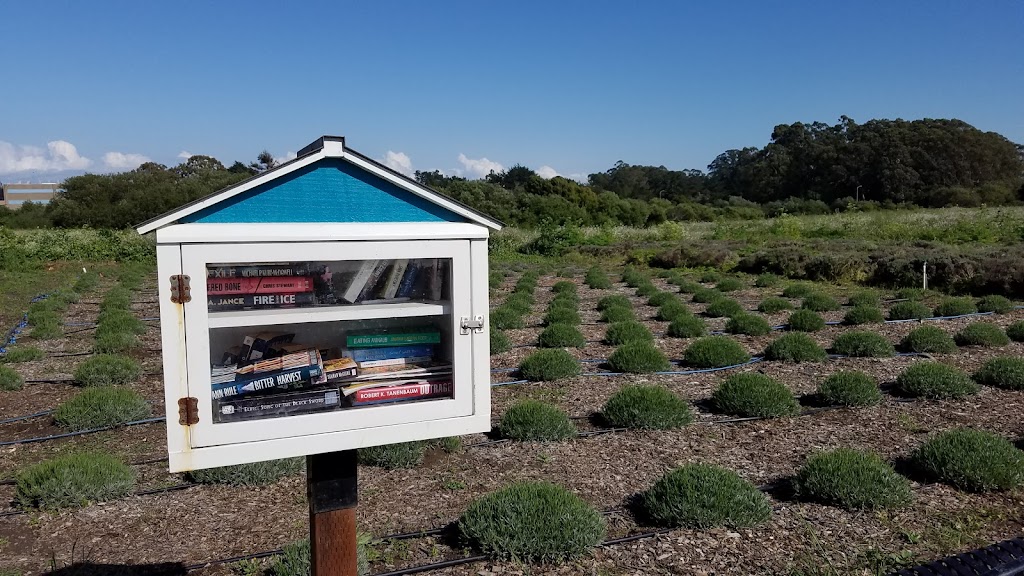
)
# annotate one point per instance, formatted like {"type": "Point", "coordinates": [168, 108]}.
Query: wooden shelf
{"type": "Point", "coordinates": [271, 317]}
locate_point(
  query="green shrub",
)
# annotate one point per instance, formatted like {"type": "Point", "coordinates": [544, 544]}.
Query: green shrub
{"type": "Point", "coordinates": [795, 347]}
{"type": "Point", "coordinates": [805, 321]}
{"type": "Point", "coordinates": [614, 301]}
{"type": "Point", "coordinates": [750, 394]}
{"type": "Point", "coordinates": [703, 496]}
{"type": "Point", "coordinates": [73, 480]}
{"type": "Point", "coordinates": [638, 357]}
{"type": "Point", "coordinates": [107, 370]}
{"type": "Point", "coordinates": [111, 342]}
{"type": "Point", "coordinates": [863, 344]}
{"type": "Point", "coordinates": [864, 298]}
{"type": "Point", "coordinates": [646, 408]}
{"type": "Point", "coordinates": [972, 460]}
{"type": "Point", "coordinates": [910, 293]}
{"type": "Point", "coordinates": [690, 287]}
{"type": "Point", "coordinates": [41, 316]}
{"type": "Point", "coordinates": [928, 340]}
{"type": "Point", "coordinates": [120, 321]}
{"type": "Point", "coordinates": [766, 280]}
{"type": "Point", "coordinates": [715, 352]}
{"type": "Point", "coordinates": [729, 284]}
{"type": "Point", "coordinates": [392, 456]}
{"type": "Point", "coordinates": [117, 297]}
{"type": "Point", "coordinates": [86, 282]}
{"type": "Point", "coordinates": [252, 474]}
{"type": "Point", "coordinates": [981, 334]}
{"type": "Point", "coordinates": [565, 300]}
{"type": "Point", "coordinates": [561, 316]}
{"type": "Point", "coordinates": [48, 331]}
{"type": "Point", "coordinates": [597, 279]}
{"type": "Point", "coordinates": [647, 290]}
{"type": "Point", "coordinates": [863, 314]}
{"type": "Point", "coordinates": [819, 302]}
{"type": "Point", "coordinates": [910, 310]}
{"type": "Point", "coordinates": [849, 388]}
{"type": "Point", "coordinates": [706, 295]}
{"type": "Point", "coordinates": [617, 314]}
{"type": "Point", "coordinates": [799, 290]}
{"type": "Point", "coordinates": [10, 380]}
{"type": "Point", "coordinates": [1005, 372]}
{"type": "Point", "coordinates": [295, 558]}
{"type": "Point", "coordinates": [545, 365]}
{"type": "Point", "coordinates": [504, 318]}
{"type": "Point", "coordinates": [1015, 331]}
{"type": "Point", "coordinates": [625, 332]}
{"type": "Point", "coordinates": [101, 407]}
{"type": "Point", "coordinates": [672, 310]}
{"type": "Point", "coordinates": [853, 480]}
{"type": "Point", "coordinates": [18, 354]}
{"type": "Point", "coordinates": [995, 303]}
{"type": "Point", "coordinates": [955, 307]}
{"type": "Point", "coordinates": [723, 307]}
{"type": "Point", "coordinates": [532, 521]}
{"type": "Point", "coordinates": [449, 444]}
{"type": "Point", "coordinates": [750, 324]}
{"type": "Point", "coordinates": [709, 276]}
{"type": "Point", "coordinates": [773, 304]}
{"type": "Point", "coordinates": [659, 298]}
{"type": "Point", "coordinates": [561, 336]}
{"type": "Point", "coordinates": [534, 420]}
{"type": "Point", "coordinates": [634, 278]}
{"type": "Point", "coordinates": [500, 342]}
{"type": "Point", "coordinates": [520, 303]}
{"type": "Point", "coordinates": [687, 326]}
{"type": "Point", "coordinates": [563, 287]}
{"type": "Point", "coordinates": [934, 380]}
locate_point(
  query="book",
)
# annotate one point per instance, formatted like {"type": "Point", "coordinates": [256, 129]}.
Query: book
{"type": "Point", "coordinates": [277, 405]}
{"type": "Point", "coordinates": [370, 290]}
{"type": "Point", "coordinates": [395, 278]}
{"type": "Point", "coordinates": [358, 282]}
{"type": "Point", "coordinates": [251, 301]}
{"type": "Point", "coordinates": [258, 271]}
{"type": "Point", "coordinates": [307, 357]}
{"type": "Point", "coordinates": [383, 353]}
{"type": "Point", "coordinates": [437, 274]}
{"type": "Point", "coordinates": [394, 361]}
{"type": "Point", "coordinates": [402, 371]}
{"type": "Point", "coordinates": [278, 285]}
{"type": "Point", "coordinates": [339, 369]}
{"type": "Point", "coordinates": [405, 287]}
{"type": "Point", "coordinates": [255, 346]}
{"type": "Point", "coordinates": [290, 378]}
{"type": "Point", "coordinates": [413, 390]}
{"type": "Point", "coordinates": [378, 338]}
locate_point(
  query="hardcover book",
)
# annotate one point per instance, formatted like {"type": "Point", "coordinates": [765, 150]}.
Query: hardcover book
{"type": "Point", "coordinates": [378, 339]}
{"type": "Point", "coordinates": [289, 378]}
{"type": "Point", "coordinates": [278, 405]}
{"type": "Point", "coordinates": [258, 271]}
{"type": "Point", "coordinates": [395, 278]}
{"type": "Point", "coordinates": [409, 391]}
{"type": "Point", "coordinates": [394, 361]}
{"type": "Point", "coordinates": [386, 352]}
{"type": "Point", "coordinates": [256, 301]}
{"type": "Point", "coordinates": [405, 287]}
{"type": "Point", "coordinates": [278, 285]}
{"type": "Point", "coordinates": [370, 290]}
{"type": "Point", "coordinates": [358, 281]}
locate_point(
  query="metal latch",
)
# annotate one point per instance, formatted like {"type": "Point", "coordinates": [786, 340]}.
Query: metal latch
{"type": "Point", "coordinates": [476, 324]}
{"type": "Point", "coordinates": [188, 411]}
{"type": "Point", "coordinates": [181, 289]}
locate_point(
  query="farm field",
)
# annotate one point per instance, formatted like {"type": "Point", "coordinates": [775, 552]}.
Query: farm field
{"type": "Point", "coordinates": [184, 523]}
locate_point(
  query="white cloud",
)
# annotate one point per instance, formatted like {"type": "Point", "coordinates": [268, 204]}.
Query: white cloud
{"type": "Point", "coordinates": [399, 162]}
{"type": "Point", "coordinates": [547, 172]}
{"type": "Point", "coordinates": [121, 161]}
{"type": "Point", "coordinates": [287, 156]}
{"type": "Point", "coordinates": [478, 167]}
{"type": "Point", "coordinates": [59, 155]}
{"type": "Point", "coordinates": [185, 154]}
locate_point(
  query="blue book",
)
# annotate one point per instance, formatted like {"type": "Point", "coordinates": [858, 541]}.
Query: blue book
{"type": "Point", "coordinates": [412, 271]}
{"type": "Point", "coordinates": [389, 352]}
{"type": "Point", "coordinates": [288, 378]}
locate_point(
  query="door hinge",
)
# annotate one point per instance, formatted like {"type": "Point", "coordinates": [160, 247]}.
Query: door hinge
{"type": "Point", "coordinates": [188, 411]}
{"type": "Point", "coordinates": [181, 289]}
{"type": "Point", "coordinates": [476, 324]}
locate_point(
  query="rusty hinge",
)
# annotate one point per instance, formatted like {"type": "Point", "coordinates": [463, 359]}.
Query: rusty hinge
{"type": "Point", "coordinates": [188, 411]}
{"type": "Point", "coordinates": [181, 290]}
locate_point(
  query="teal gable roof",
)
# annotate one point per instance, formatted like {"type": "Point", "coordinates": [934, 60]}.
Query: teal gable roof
{"type": "Point", "coordinates": [329, 190]}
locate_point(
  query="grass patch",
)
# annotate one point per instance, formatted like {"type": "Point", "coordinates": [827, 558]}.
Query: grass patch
{"type": "Point", "coordinates": [613, 301]}
{"type": "Point", "coordinates": [853, 480]}
{"type": "Point", "coordinates": [971, 460]}
{"type": "Point", "coordinates": [864, 298]}
{"type": "Point", "coordinates": [532, 522]}
{"type": "Point", "coordinates": [597, 279]}
{"type": "Point", "coordinates": [107, 370]}
{"type": "Point", "coordinates": [774, 304]}
{"type": "Point", "coordinates": [729, 284]}
{"type": "Point", "coordinates": [646, 408]}
{"type": "Point", "coordinates": [863, 314]}
{"type": "Point", "coordinates": [672, 310]}
{"type": "Point", "coordinates": [1015, 331]}
{"type": "Point", "coordinates": [749, 324]}
{"type": "Point", "coordinates": [120, 321]}
{"type": "Point", "coordinates": [19, 354]}
{"type": "Point", "coordinates": [561, 316]}
{"type": "Point", "coordinates": [638, 357]}
{"type": "Point", "coordinates": [10, 380]}
{"type": "Point", "coordinates": [73, 480]}
{"type": "Point", "coordinates": [251, 474]}
{"type": "Point", "coordinates": [981, 334]}
{"type": "Point", "coordinates": [113, 342]}
{"type": "Point", "coordinates": [504, 318]}
{"type": "Point", "coordinates": [715, 352]}
{"type": "Point", "coordinates": [703, 496]}
{"type": "Point", "coordinates": [706, 295]}
{"type": "Point", "coordinates": [48, 331]}
{"type": "Point", "coordinates": [546, 365]}
{"type": "Point", "coordinates": [819, 302]}
{"type": "Point", "coordinates": [955, 307]}
{"type": "Point", "coordinates": [626, 332]}
{"type": "Point", "coordinates": [687, 326]}
{"type": "Point", "coordinates": [86, 282]}
{"type": "Point", "coordinates": [750, 394]}
{"type": "Point", "coordinates": [935, 380]}
{"type": "Point", "coordinates": [1005, 372]}
{"type": "Point", "coordinates": [118, 297]}
{"type": "Point", "coordinates": [101, 407]}
{"type": "Point", "coordinates": [561, 336]}
{"type": "Point", "coordinates": [910, 310]}
{"type": "Point", "coordinates": [849, 388]}
{"type": "Point", "coordinates": [995, 303]}
{"type": "Point", "coordinates": [723, 307]}
{"type": "Point", "coordinates": [928, 340]}
{"type": "Point", "coordinates": [500, 342]}
{"type": "Point", "coordinates": [617, 314]}
{"type": "Point", "coordinates": [805, 321]}
{"type": "Point", "coordinates": [392, 456]}
{"type": "Point", "coordinates": [863, 344]}
{"type": "Point", "coordinates": [798, 290]}
{"type": "Point", "coordinates": [795, 347]}
{"type": "Point", "coordinates": [535, 420]}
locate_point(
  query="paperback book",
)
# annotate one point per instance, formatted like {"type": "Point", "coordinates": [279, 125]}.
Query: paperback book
{"type": "Point", "coordinates": [410, 390]}
{"type": "Point", "coordinates": [259, 285]}
{"type": "Point", "coordinates": [288, 379]}
{"type": "Point", "coordinates": [277, 405]}
{"type": "Point", "coordinates": [259, 301]}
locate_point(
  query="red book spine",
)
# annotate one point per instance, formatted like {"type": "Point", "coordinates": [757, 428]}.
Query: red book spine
{"type": "Point", "coordinates": [403, 392]}
{"type": "Point", "coordinates": [277, 285]}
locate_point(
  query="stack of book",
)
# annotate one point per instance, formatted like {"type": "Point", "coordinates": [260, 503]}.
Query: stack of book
{"type": "Point", "coordinates": [262, 286]}
{"type": "Point", "coordinates": [383, 281]}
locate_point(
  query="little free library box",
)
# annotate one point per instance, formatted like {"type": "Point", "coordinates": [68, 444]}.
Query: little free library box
{"type": "Point", "coordinates": [327, 304]}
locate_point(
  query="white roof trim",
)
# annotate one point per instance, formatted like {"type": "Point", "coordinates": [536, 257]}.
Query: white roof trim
{"type": "Point", "coordinates": [318, 232]}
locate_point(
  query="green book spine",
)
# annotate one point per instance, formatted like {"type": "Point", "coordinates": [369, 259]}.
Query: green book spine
{"type": "Point", "coordinates": [377, 340]}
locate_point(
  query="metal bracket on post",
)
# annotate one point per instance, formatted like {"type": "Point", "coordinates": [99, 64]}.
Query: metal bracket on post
{"type": "Point", "coordinates": [476, 324]}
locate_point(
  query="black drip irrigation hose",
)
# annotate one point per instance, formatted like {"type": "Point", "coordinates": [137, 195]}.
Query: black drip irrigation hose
{"type": "Point", "coordinates": [81, 432]}
{"type": "Point", "coordinates": [173, 488]}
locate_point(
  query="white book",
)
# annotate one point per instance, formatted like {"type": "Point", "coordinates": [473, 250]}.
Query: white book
{"type": "Point", "coordinates": [355, 287]}
{"type": "Point", "coordinates": [394, 361]}
{"type": "Point", "coordinates": [395, 278]}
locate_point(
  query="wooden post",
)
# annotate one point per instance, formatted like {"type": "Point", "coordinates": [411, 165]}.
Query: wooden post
{"type": "Point", "coordinates": [331, 484]}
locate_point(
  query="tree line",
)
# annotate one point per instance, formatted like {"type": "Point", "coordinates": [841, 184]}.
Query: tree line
{"type": "Point", "coordinates": [812, 168]}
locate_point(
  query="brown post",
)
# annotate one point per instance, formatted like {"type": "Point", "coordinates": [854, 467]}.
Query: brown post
{"type": "Point", "coordinates": [331, 484]}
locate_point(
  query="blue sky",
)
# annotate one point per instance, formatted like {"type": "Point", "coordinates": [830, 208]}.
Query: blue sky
{"type": "Point", "coordinates": [570, 87]}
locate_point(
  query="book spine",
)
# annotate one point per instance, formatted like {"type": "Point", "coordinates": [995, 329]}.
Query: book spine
{"type": "Point", "coordinates": [243, 301]}
{"type": "Point", "coordinates": [355, 287]}
{"type": "Point", "coordinates": [342, 374]}
{"type": "Point", "coordinates": [395, 278]}
{"type": "Point", "coordinates": [402, 392]}
{"type": "Point", "coordinates": [412, 271]}
{"type": "Point", "coordinates": [277, 405]}
{"type": "Point", "coordinates": [282, 285]}
{"type": "Point", "coordinates": [283, 379]}
{"type": "Point", "coordinates": [267, 271]}
{"type": "Point", "coordinates": [395, 361]}
{"type": "Point", "coordinates": [436, 275]}
{"type": "Point", "coordinates": [379, 340]}
{"type": "Point", "coordinates": [367, 354]}
{"type": "Point", "coordinates": [371, 284]}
